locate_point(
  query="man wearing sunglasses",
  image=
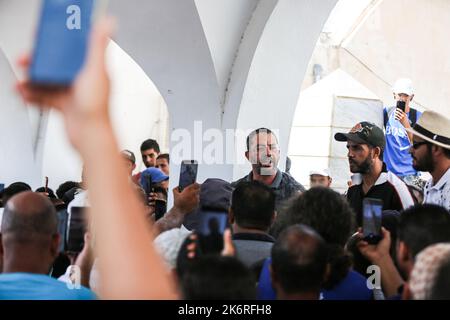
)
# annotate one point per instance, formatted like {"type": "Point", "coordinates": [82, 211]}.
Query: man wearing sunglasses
{"type": "Point", "coordinates": [430, 152]}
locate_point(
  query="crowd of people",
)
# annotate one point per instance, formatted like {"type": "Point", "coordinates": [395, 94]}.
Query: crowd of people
{"type": "Point", "coordinates": [266, 236]}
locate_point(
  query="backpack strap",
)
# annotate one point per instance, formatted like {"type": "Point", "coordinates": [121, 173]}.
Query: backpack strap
{"type": "Point", "coordinates": [413, 116]}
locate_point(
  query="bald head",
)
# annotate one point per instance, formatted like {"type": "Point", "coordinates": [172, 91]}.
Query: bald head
{"type": "Point", "coordinates": [28, 215]}
{"type": "Point", "coordinates": [299, 259]}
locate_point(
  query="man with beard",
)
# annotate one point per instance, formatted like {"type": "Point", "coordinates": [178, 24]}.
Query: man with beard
{"type": "Point", "coordinates": [263, 153]}
{"type": "Point", "coordinates": [365, 144]}
{"type": "Point", "coordinates": [431, 152]}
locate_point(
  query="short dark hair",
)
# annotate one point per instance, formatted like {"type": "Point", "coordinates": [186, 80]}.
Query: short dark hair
{"type": "Point", "coordinates": [13, 189]}
{"type": "Point", "coordinates": [299, 259]}
{"type": "Point", "coordinates": [50, 192]}
{"type": "Point", "coordinates": [66, 186]}
{"type": "Point", "coordinates": [256, 132]}
{"type": "Point", "coordinates": [381, 151]}
{"type": "Point", "coordinates": [164, 156]}
{"type": "Point", "coordinates": [150, 144]}
{"type": "Point", "coordinates": [214, 277]}
{"type": "Point", "coordinates": [41, 220]}
{"type": "Point", "coordinates": [441, 287]}
{"type": "Point", "coordinates": [329, 213]}
{"type": "Point", "coordinates": [253, 205]}
{"type": "Point", "coordinates": [324, 210]}
{"type": "Point", "coordinates": [424, 225]}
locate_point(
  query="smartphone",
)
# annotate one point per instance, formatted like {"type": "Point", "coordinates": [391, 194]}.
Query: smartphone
{"type": "Point", "coordinates": [62, 228]}
{"type": "Point", "coordinates": [77, 227]}
{"type": "Point", "coordinates": [149, 188]}
{"type": "Point", "coordinates": [372, 210]}
{"type": "Point", "coordinates": [2, 187]}
{"type": "Point", "coordinates": [160, 209]}
{"type": "Point", "coordinates": [188, 173]}
{"type": "Point", "coordinates": [212, 225]}
{"type": "Point", "coordinates": [401, 105]}
{"type": "Point", "coordinates": [61, 40]}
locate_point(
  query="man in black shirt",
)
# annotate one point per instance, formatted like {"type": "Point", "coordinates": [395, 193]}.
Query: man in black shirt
{"type": "Point", "coordinates": [365, 144]}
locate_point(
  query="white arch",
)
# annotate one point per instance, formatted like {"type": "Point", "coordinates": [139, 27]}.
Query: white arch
{"type": "Point", "coordinates": [259, 64]}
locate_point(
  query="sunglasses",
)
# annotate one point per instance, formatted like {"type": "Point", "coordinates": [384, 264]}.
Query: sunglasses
{"type": "Point", "coordinates": [416, 145]}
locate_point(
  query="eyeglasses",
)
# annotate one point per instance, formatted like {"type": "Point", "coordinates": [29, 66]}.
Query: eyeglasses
{"type": "Point", "coordinates": [416, 145]}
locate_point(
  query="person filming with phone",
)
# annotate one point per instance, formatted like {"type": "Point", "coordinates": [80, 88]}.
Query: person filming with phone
{"type": "Point", "coordinates": [398, 140]}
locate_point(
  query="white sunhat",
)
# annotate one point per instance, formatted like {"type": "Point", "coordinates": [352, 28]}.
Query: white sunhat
{"type": "Point", "coordinates": [403, 85]}
{"type": "Point", "coordinates": [320, 172]}
{"type": "Point", "coordinates": [433, 127]}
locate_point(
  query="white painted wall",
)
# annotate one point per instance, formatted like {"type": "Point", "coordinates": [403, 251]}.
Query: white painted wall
{"type": "Point", "coordinates": [334, 104]}
{"type": "Point", "coordinates": [277, 70]}
{"type": "Point", "coordinates": [224, 23]}
{"type": "Point", "coordinates": [16, 150]}
{"type": "Point", "coordinates": [225, 64]}
{"type": "Point", "coordinates": [138, 112]}
{"type": "Point", "coordinates": [403, 38]}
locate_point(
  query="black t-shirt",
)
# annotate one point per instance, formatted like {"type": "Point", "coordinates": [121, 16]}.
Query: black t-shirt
{"type": "Point", "coordinates": [389, 188]}
{"type": "Point", "coordinates": [284, 186]}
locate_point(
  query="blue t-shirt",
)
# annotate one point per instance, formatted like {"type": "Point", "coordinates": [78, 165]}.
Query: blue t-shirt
{"type": "Point", "coordinates": [352, 287]}
{"type": "Point", "coordinates": [29, 286]}
{"type": "Point", "coordinates": [396, 154]}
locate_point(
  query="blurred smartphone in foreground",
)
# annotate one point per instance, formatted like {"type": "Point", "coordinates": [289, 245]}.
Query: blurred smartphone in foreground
{"type": "Point", "coordinates": [62, 228]}
{"type": "Point", "coordinates": [77, 227]}
{"type": "Point", "coordinates": [61, 40]}
{"type": "Point", "coordinates": [372, 214]}
{"type": "Point", "coordinates": [401, 105]}
{"type": "Point", "coordinates": [188, 173]}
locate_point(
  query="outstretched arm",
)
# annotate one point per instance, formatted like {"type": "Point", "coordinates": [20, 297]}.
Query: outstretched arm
{"type": "Point", "coordinates": [130, 268]}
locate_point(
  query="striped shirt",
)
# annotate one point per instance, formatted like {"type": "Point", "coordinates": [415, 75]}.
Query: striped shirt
{"type": "Point", "coordinates": [389, 188]}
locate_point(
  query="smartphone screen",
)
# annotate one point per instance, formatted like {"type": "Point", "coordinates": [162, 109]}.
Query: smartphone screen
{"type": "Point", "coordinates": [2, 187]}
{"type": "Point", "coordinates": [372, 209]}
{"type": "Point", "coordinates": [149, 184]}
{"type": "Point", "coordinates": [401, 105]}
{"type": "Point", "coordinates": [188, 173]}
{"type": "Point", "coordinates": [61, 41]}
{"type": "Point", "coordinates": [76, 229]}
{"type": "Point", "coordinates": [212, 225]}
{"type": "Point", "coordinates": [62, 228]}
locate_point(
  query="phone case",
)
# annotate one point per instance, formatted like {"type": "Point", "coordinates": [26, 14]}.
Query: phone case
{"type": "Point", "coordinates": [61, 42]}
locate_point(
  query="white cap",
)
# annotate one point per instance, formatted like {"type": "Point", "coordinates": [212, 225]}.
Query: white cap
{"type": "Point", "coordinates": [403, 85]}
{"type": "Point", "coordinates": [320, 172]}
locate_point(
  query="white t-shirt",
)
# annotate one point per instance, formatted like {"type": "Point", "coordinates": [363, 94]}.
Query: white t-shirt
{"type": "Point", "coordinates": [438, 193]}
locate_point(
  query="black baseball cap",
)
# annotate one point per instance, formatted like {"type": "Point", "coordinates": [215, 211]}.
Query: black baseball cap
{"type": "Point", "coordinates": [364, 133]}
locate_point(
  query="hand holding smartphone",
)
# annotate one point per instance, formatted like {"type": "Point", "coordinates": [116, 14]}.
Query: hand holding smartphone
{"type": "Point", "coordinates": [372, 214]}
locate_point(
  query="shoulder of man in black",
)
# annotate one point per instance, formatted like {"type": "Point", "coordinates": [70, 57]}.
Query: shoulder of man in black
{"type": "Point", "coordinates": [290, 181]}
{"type": "Point", "coordinates": [235, 183]}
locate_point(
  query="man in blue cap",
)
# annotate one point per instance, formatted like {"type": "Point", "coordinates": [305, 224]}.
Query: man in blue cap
{"type": "Point", "coordinates": [155, 184]}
